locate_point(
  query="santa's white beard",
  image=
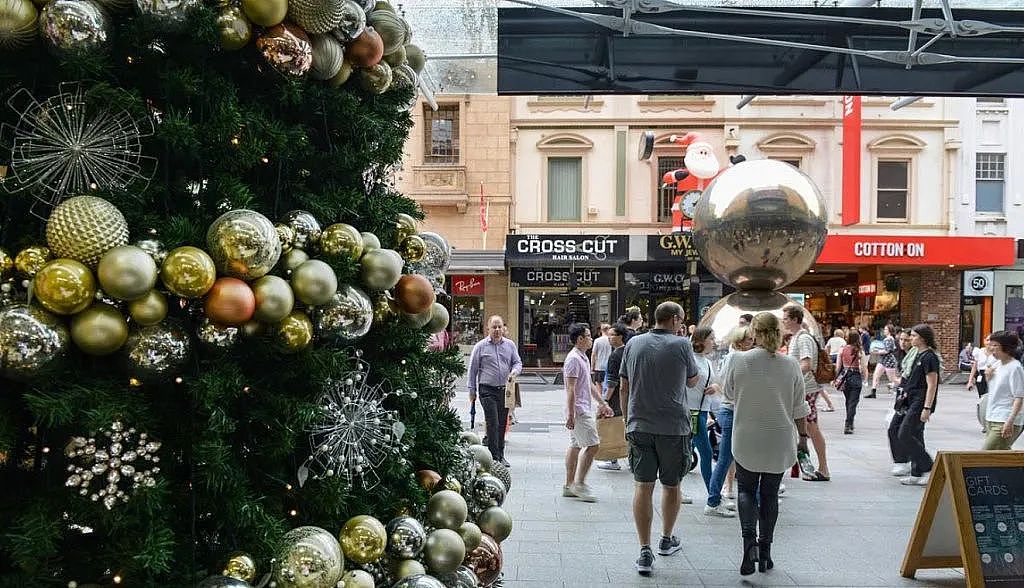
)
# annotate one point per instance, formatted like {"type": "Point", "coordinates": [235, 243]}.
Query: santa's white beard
{"type": "Point", "coordinates": [701, 162]}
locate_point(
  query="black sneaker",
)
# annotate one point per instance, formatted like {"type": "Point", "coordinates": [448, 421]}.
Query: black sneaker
{"type": "Point", "coordinates": [645, 564]}
{"type": "Point", "coordinates": [669, 545]}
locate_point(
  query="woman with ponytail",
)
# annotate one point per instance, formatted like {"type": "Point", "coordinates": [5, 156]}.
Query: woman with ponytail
{"type": "Point", "coordinates": [915, 404]}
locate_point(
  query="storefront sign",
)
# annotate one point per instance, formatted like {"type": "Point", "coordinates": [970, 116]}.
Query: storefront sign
{"type": "Point", "coordinates": [603, 250]}
{"type": "Point", "coordinates": [978, 283]}
{"type": "Point", "coordinates": [537, 277]}
{"type": "Point", "coordinates": [659, 282]}
{"type": "Point", "coordinates": [467, 285]}
{"type": "Point", "coordinates": [921, 251]}
{"type": "Point", "coordinates": [868, 289]}
{"type": "Point", "coordinates": [674, 247]}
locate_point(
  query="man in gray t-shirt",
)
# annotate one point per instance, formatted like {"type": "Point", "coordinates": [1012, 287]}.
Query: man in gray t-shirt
{"type": "Point", "coordinates": [655, 370]}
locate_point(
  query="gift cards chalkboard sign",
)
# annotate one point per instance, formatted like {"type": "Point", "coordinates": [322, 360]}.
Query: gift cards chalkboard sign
{"type": "Point", "coordinates": [972, 517]}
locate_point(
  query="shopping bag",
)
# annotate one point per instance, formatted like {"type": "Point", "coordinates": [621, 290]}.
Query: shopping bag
{"type": "Point", "coordinates": [512, 398]}
{"type": "Point", "coordinates": [612, 431]}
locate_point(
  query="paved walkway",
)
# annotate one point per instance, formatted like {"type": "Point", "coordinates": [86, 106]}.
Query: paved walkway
{"type": "Point", "coordinates": [849, 532]}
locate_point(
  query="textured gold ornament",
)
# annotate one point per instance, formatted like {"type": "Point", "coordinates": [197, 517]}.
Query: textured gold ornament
{"type": "Point", "coordinates": [148, 310]}
{"type": "Point", "coordinates": [240, 566]}
{"type": "Point", "coordinates": [286, 236]}
{"type": "Point", "coordinates": [412, 248]}
{"type": "Point", "coordinates": [265, 13]}
{"type": "Point", "coordinates": [64, 286]}
{"type": "Point", "coordinates": [376, 78]}
{"type": "Point", "coordinates": [243, 244]}
{"type": "Point", "coordinates": [83, 228]}
{"type": "Point", "coordinates": [342, 240]}
{"type": "Point", "coordinates": [316, 16]}
{"type": "Point", "coordinates": [6, 265]}
{"type": "Point", "coordinates": [17, 23]}
{"type": "Point", "coordinates": [294, 333]}
{"type": "Point", "coordinates": [99, 330]}
{"type": "Point", "coordinates": [405, 226]}
{"type": "Point", "coordinates": [363, 539]}
{"type": "Point", "coordinates": [274, 299]}
{"type": "Point", "coordinates": [127, 272]}
{"type": "Point", "coordinates": [32, 259]}
{"type": "Point", "coordinates": [188, 272]}
{"type": "Point", "coordinates": [235, 29]}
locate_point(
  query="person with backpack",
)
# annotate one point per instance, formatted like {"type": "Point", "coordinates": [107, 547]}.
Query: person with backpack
{"type": "Point", "coordinates": [804, 349]}
{"type": "Point", "coordinates": [914, 407]}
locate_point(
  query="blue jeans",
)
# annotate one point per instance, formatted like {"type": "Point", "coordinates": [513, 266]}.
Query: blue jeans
{"type": "Point", "coordinates": [703, 446]}
{"type": "Point", "coordinates": [724, 457]}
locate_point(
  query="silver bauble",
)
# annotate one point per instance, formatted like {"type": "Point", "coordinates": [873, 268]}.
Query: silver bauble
{"type": "Point", "coordinates": [156, 353]}
{"type": "Point", "coordinates": [496, 522]}
{"type": "Point", "coordinates": [357, 579]}
{"type": "Point", "coordinates": [438, 318]}
{"type": "Point", "coordinates": [30, 339]}
{"type": "Point", "coordinates": [214, 335]}
{"type": "Point", "coordinates": [306, 227]}
{"type": "Point", "coordinates": [154, 247]}
{"type": "Point", "coordinates": [444, 551]}
{"type": "Point", "coordinates": [724, 315]}
{"type": "Point", "coordinates": [437, 259]}
{"type": "Point", "coordinates": [501, 472]}
{"type": "Point", "coordinates": [314, 283]}
{"type": "Point", "coordinates": [405, 537]}
{"type": "Point", "coordinates": [243, 244]}
{"type": "Point", "coordinates": [404, 568]}
{"type": "Point", "coordinates": [380, 269]}
{"type": "Point", "coordinates": [447, 509]}
{"type": "Point", "coordinates": [488, 491]}
{"type": "Point", "coordinates": [328, 54]}
{"type": "Point", "coordinates": [760, 225]}
{"type": "Point", "coordinates": [346, 317]}
{"type": "Point", "coordinates": [310, 557]}
{"type": "Point", "coordinates": [419, 581]}
{"type": "Point", "coordinates": [482, 456]}
{"type": "Point", "coordinates": [223, 582]}
{"type": "Point", "coordinates": [71, 26]}
{"type": "Point", "coordinates": [169, 15]}
{"type": "Point", "coordinates": [352, 22]}
{"type": "Point", "coordinates": [462, 577]}
{"type": "Point", "coordinates": [127, 272]}
{"type": "Point", "coordinates": [274, 299]}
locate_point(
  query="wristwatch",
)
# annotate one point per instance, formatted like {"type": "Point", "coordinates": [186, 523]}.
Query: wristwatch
{"type": "Point", "coordinates": [929, 409]}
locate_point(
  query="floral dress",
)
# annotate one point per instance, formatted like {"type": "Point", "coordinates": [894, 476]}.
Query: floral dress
{"type": "Point", "coordinates": [889, 355]}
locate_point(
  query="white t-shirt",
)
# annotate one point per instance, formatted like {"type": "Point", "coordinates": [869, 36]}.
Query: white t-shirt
{"type": "Point", "coordinates": [1006, 385]}
{"type": "Point", "coordinates": [600, 352]}
{"type": "Point", "coordinates": [835, 345]}
{"type": "Point", "coordinates": [695, 397]}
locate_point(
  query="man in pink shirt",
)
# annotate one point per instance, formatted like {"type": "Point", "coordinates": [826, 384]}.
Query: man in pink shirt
{"type": "Point", "coordinates": [582, 396]}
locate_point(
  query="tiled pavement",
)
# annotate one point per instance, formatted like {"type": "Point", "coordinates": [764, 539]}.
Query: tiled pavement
{"type": "Point", "coordinates": [849, 532]}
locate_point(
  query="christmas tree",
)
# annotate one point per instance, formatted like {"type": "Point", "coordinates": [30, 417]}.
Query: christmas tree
{"type": "Point", "coordinates": [215, 308]}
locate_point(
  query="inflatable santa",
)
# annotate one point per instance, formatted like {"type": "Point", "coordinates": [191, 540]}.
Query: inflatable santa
{"type": "Point", "coordinates": [701, 168]}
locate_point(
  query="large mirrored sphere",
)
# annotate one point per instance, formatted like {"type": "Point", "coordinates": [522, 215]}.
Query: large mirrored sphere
{"type": "Point", "coordinates": [760, 225]}
{"type": "Point", "coordinates": [724, 316]}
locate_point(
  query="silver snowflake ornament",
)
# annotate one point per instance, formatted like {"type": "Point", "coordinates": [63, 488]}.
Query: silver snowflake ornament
{"type": "Point", "coordinates": [118, 460]}
{"type": "Point", "coordinates": [68, 144]}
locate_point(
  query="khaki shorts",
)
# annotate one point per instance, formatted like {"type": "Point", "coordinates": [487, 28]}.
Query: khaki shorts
{"type": "Point", "coordinates": [658, 457]}
{"type": "Point", "coordinates": [994, 437]}
{"type": "Point", "coordinates": [584, 432]}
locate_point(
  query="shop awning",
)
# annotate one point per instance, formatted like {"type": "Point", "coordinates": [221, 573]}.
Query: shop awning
{"type": "Point", "coordinates": [470, 261]}
{"type": "Point", "coordinates": [940, 251]}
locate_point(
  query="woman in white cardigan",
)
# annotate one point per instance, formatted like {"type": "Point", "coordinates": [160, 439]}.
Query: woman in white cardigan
{"type": "Point", "coordinates": [767, 392]}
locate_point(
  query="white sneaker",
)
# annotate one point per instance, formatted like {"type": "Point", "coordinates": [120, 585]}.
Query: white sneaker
{"type": "Point", "coordinates": [915, 480]}
{"type": "Point", "coordinates": [782, 489]}
{"type": "Point", "coordinates": [685, 499]}
{"type": "Point", "coordinates": [567, 491]}
{"type": "Point", "coordinates": [718, 511]}
{"type": "Point", "coordinates": [729, 493]}
{"type": "Point", "coordinates": [901, 469]}
{"type": "Point", "coordinates": [584, 493]}
{"type": "Point", "coordinates": [729, 505]}
{"type": "Point", "coordinates": [609, 465]}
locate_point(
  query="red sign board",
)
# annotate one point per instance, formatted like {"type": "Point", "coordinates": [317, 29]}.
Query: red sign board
{"type": "Point", "coordinates": [851, 160]}
{"type": "Point", "coordinates": [868, 289]}
{"type": "Point", "coordinates": [922, 251]}
{"type": "Point", "coordinates": [467, 285]}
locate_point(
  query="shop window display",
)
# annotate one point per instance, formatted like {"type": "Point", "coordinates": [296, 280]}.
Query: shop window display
{"type": "Point", "coordinates": [1015, 309]}
{"type": "Point", "coordinates": [546, 317]}
{"type": "Point", "coordinates": [467, 321]}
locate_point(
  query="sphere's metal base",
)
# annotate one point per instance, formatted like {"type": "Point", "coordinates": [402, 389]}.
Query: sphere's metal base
{"type": "Point", "coordinates": [724, 316]}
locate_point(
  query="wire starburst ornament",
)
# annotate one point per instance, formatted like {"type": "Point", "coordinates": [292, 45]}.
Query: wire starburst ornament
{"type": "Point", "coordinates": [356, 433]}
{"type": "Point", "coordinates": [68, 145]}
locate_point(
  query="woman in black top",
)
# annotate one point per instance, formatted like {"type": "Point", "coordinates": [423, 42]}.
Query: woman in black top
{"type": "Point", "coordinates": [617, 336]}
{"type": "Point", "coordinates": [914, 406]}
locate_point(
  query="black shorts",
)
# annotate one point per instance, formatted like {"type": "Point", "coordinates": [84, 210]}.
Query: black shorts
{"type": "Point", "coordinates": [598, 377]}
{"type": "Point", "coordinates": [665, 458]}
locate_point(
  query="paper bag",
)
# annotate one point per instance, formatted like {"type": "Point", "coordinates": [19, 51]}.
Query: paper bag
{"type": "Point", "coordinates": [512, 398]}
{"type": "Point", "coordinates": [612, 431]}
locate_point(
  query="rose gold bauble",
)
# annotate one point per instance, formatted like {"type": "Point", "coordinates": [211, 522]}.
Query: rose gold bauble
{"type": "Point", "coordinates": [366, 50]}
{"type": "Point", "coordinates": [230, 302]}
{"type": "Point", "coordinates": [485, 560]}
{"type": "Point", "coordinates": [428, 479]}
{"type": "Point", "coordinates": [414, 294]}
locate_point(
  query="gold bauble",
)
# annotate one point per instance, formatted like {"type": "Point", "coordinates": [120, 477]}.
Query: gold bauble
{"type": "Point", "coordinates": [65, 286]}
{"type": "Point", "coordinates": [344, 73]}
{"type": "Point", "coordinates": [243, 244]}
{"type": "Point", "coordinates": [452, 484]}
{"type": "Point", "coordinates": [341, 240]}
{"type": "Point", "coordinates": [412, 248]}
{"type": "Point", "coordinates": [235, 29]}
{"type": "Point", "coordinates": [444, 550]}
{"type": "Point", "coordinates": [6, 265]}
{"type": "Point", "coordinates": [294, 333]}
{"type": "Point", "coordinates": [405, 226]}
{"type": "Point", "coordinates": [357, 579]}
{"type": "Point", "coordinates": [403, 568]}
{"type": "Point", "coordinates": [363, 539]}
{"type": "Point", "coordinates": [382, 309]}
{"type": "Point", "coordinates": [127, 272]}
{"type": "Point", "coordinates": [265, 13]}
{"type": "Point", "coordinates": [274, 299]}
{"type": "Point", "coordinates": [286, 236]}
{"type": "Point", "coordinates": [83, 228]}
{"type": "Point", "coordinates": [99, 330]}
{"type": "Point", "coordinates": [148, 310]}
{"type": "Point", "coordinates": [31, 259]}
{"type": "Point", "coordinates": [446, 510]}
{"type": "Point", "coordinates": [376, 78]}
{"type": "Point", "coordinates": [471, 535]}
{"type": "Point", "coordinates": [314, 283]}
{"type": "Point", "coordinates": [188, 272]}
{"type": "Point", "coordinates": [17, 23]}
{"type": "Point", "coordinates": [293, 259]}
{"type": "Point", "coordinates": [240, 566]}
